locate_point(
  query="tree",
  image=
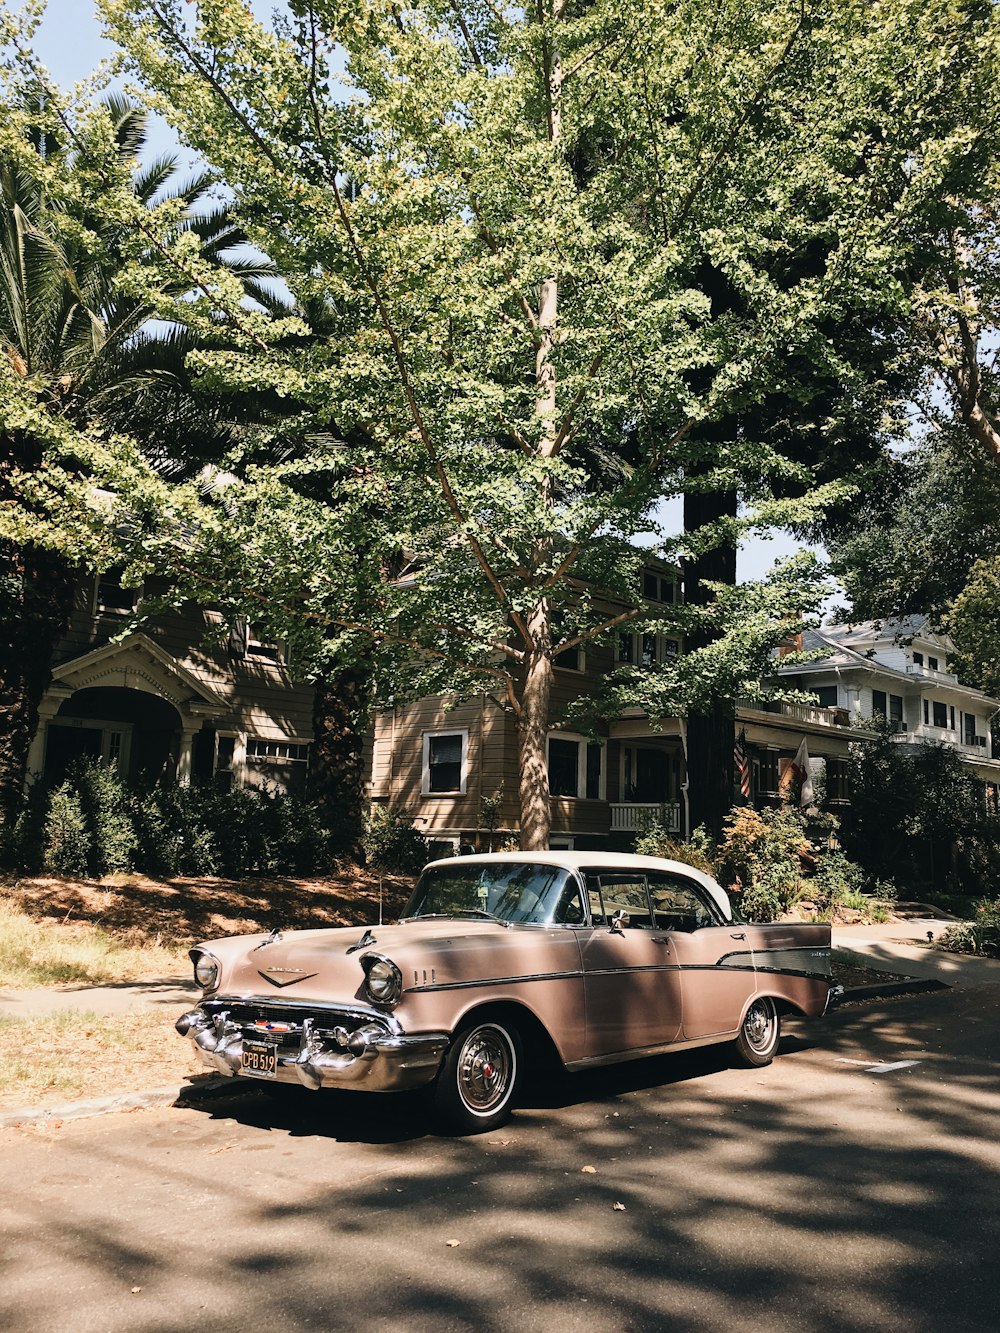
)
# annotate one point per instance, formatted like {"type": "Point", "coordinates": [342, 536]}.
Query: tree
{"type": "Point", "coordinates": [75, 348]}
{"type": "Point", "coordinates": [508, 216]}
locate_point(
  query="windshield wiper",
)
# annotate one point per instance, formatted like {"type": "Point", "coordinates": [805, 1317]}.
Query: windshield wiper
{"type": "Point", "coordinates": [458, 911]}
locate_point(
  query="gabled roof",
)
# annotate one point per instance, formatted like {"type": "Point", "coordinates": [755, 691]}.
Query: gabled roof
{"type": "Point", "coordinates": [892, 630]}
{"type": "Point", "coordinates": [136, 662]}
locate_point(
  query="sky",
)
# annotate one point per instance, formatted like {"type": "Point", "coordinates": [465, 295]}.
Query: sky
{"type": "Point", "coordinates": [69, 43]}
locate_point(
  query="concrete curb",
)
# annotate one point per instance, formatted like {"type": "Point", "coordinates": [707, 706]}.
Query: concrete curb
{"type": "Point", "coordinates": [187, 1095]}
{"type": "Point", "coordinates": [906, 986]}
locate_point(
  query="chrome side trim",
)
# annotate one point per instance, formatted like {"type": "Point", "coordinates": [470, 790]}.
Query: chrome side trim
{"type": "Point", "coordinates": [644, 1052]}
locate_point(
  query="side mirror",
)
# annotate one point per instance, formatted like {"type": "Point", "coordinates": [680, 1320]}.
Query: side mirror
{"type": "Point", "coordinates": [618, 922]}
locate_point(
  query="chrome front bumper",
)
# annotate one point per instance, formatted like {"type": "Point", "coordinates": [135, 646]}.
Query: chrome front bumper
{"type": "Point", "coordinates": [316, 1046]}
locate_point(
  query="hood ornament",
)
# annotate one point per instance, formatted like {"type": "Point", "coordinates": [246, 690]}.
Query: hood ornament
{"type": "Point", "coordinates": [284, 976]}
{"type": "Point", "coordinates": [363, 943]}
{"type": "Point", "coordinates": [272, 938]}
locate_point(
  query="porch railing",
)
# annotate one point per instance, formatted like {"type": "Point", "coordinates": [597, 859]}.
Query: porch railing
{"type": "Point", "coordinates": [634, 816]}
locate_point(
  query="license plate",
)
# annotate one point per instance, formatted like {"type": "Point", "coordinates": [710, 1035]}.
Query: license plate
{"type": "Point", "coordinates": [260, 1059]}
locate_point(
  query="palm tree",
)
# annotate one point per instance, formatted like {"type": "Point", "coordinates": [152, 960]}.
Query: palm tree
{"type": "Point", "coordinates": [89, 351]}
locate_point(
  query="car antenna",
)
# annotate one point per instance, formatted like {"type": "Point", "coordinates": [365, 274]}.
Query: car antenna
{"type": "Point", "coordinates": [380, 899]}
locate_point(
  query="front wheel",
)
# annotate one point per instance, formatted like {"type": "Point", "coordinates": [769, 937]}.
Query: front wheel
{"type": "Point", "coordinates": [759, 1034]}
{"type": "Point", "coordinates": [474, 1092]}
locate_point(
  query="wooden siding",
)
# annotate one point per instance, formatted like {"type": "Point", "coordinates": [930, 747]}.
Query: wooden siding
{"type": "Point", "coordinates": [266, 701]}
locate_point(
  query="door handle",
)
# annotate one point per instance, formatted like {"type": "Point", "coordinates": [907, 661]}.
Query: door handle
{"type": "Point", "coordinates": [738, 935]}
{"type": "Point", "coordinates": [662, 939]}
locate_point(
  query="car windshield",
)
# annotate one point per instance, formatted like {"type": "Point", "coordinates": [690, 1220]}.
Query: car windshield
{"type": "Point", "coordinates": [517, 892]}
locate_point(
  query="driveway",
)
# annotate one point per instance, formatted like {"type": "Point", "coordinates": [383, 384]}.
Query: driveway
{"type": "Point", "coordinates": [850, 1186]}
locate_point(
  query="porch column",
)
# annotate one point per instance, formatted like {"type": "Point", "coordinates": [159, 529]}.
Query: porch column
{"type": "Point", "coordinates": [184, 755]}
{"type": "Point", "coordinates": [47, 709]}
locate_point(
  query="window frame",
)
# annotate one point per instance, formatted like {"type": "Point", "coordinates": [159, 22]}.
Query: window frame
{"type": "Point", "coordinates": [583, 745]}
{"type": "Point", "coordinates": [100, 608]}
{"type": "Point", "coordinates": [425, 763]}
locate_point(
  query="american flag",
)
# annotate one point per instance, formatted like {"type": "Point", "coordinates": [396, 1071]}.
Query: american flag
{"type": "Point", "coordinates": [742, 763]}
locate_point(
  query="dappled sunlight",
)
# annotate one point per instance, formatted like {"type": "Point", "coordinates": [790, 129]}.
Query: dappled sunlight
{"type": "Point", "coordinates": [811, 1194]}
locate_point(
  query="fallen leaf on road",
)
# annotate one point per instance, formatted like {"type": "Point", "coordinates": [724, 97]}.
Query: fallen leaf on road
{"type": "Point", "coordinates": [452, 1243]}
{"type": "Point", "coordinates": [136, 1289]}
{"type": "Point", "coordinates": [618, 1207]}
{"type": "Point", "coordinates": [589, 1170]}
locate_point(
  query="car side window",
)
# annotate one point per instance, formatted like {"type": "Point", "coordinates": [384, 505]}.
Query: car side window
{"type": "Point", "coordinates": [678, 905]}
{"type": "Point", "coordinates": [610, 893]}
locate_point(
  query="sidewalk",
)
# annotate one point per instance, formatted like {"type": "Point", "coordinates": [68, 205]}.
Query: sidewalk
{"type": "Point", "coordinates": [903, 947]}
{"type": "Point", "coordinates": [117, 997]}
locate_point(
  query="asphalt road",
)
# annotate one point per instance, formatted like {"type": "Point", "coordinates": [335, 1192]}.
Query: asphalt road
{"type": "Point", "coordinates": [817, 1194]}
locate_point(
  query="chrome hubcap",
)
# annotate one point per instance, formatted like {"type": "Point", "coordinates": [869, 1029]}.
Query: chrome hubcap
{"type": "Point", "coordinates": [758, 1026]}
{"type": "Point", "coordinates": [485, 1069]}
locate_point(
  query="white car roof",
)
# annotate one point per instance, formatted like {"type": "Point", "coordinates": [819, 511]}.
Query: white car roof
{"type": "Point", "coordinates": [615, 861]}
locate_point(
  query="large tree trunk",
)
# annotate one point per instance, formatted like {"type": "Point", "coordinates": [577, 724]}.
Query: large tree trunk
{"type": "Point", "coordinates": [36, 597]}
{"type": "Point", "coordinates": [710, 735]}
{"type": "Point", "coordinates": [341, 710]}
{"type": "Point", "coordinates": [532, 736]}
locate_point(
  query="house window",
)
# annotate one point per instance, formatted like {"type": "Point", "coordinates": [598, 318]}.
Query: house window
{"type": "Point", "coordinates": [927, 714]}
{"type": "Point", "coordinates": [826, 695]}
{"type": "Point", "coordinates": [570, 660]}
{"type": "Point", "coordinates": [576, 767]}
{"type": "Point", "coordinates": [648, 657]}
{"type": "Point", "coordinates": [895, 708]}
{"type": "Point", "coordinates": [969, 728]}
{"type": "Point", "coordinates": [932, 662]}
{"type": "Point", "coordinates": [918, 659]}
{"type": "Point", "coordinates": [878, 703]}
{"type": "Point", "coordinates": [626, 647]}
{"type": "Point", "coordinates": [110, 597]}
{"type": "Point", "coordinates": [261, 648]}
{"type": "Point", "coordinates": [951, 717]}
{"type": "Point", "coordinates": [224, 760]}
{"type": "Point", "coordinates": [940, 714]}
{"type": "Point", "coordinates": [658, 587]}
{"type": "Point", "coordinates": [647, 649]}
{"type": "Point", "coordinates": [285, 752]}
{"type": "Point", "coordinates": [445, 763]}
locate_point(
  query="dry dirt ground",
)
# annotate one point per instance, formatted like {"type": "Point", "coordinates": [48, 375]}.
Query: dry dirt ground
{"type": "Point", "coordinates": [75, 1054]}
{"type": "Point", "coordinates": [188, 909]}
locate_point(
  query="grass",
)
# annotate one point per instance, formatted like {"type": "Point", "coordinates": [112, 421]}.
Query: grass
{"type": "Point", "coordinates": [68, 1055]}
{"type": "Point", "coordinates": [47, 952]}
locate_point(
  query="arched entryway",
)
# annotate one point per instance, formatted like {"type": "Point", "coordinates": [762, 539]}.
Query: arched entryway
{"type": "Point", "coordinates": [139, 732]}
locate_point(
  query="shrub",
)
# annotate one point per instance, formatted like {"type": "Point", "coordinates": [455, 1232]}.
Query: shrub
{"type": "Point", "coordinates": [838, 882]}
{"type": "Point", "coordinates": [391, 842]}
{"type": "Point", "coordinates": [980, 935]}
{"type": "Point", "coordinates": [657, 840]}
{"type": "Point", "coordinates": [107, 808]}
{"type": "Point", "coordinates": [66, 846]}
{"type": "Point", "coordinates": [763, 855]}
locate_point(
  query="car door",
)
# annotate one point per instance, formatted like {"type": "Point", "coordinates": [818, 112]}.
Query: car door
{"type": "Point", "coordinates": [631, 985]}
{"type": "Point", "coordinates": [716, 964]}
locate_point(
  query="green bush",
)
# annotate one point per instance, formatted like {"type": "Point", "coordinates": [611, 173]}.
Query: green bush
{"type": "Point", "coordinates": [838, 882]}
{"type": "Point", "coordinates": [658, 840]}
{"type": "Point", "coordinates": [981, 935]}
{"type": "Point", "coordinates": [169, 830]}
{"type": "Point", "coordinates": [66, 846]}
{"type": "Point", "coordinates": [391, 842]}
{"type": "Point", "coordinates": [107, 808]}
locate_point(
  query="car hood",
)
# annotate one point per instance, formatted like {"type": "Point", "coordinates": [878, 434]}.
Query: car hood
{"type": "Point", "coordinates": [326, 964]}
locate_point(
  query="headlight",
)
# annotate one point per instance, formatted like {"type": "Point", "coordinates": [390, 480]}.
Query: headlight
{"type": "Point", "coordinates": [206, 971]}
{"type": "Point", "coordinates": [383, 979]}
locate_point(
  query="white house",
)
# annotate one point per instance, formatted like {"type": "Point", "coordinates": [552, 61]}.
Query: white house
{"type": "Point", "coordinates": [899, 670]}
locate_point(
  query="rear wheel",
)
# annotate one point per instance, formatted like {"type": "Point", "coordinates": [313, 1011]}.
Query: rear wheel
{"type": "Point", "coordinates": [759, 1034]}
{"type": "Point", "coordinates": [474, 1092]}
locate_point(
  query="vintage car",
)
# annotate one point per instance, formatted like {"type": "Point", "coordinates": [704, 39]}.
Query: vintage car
{"type": "Point", "coordinates": [584, 958]}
